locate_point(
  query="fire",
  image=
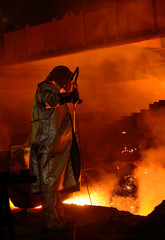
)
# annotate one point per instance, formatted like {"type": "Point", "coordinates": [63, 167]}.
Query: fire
{"type": "Point", "coordinates": [98, 197]}
{"type": "Point", "coordinates": [78, 200]}
{"type": "Point", "coordinates": [101, 196]}
{"type": "Point", "coordinates": [150, 177]}
{"type": "Point", "coordinates": [126, 204]}
{"type": "Point", "coordinates": [150, 191]}
{"type": "Point", "coordinates": [38, 207]}
{"type": "Point", "coordinates": [13, 207]}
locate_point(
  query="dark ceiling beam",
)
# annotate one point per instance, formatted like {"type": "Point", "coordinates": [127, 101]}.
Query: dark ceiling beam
{"type": "Point", "coordinates": [120, 22]}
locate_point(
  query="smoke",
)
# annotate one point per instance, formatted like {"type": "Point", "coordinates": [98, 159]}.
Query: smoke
{"type": "Point", "coordinates": [5, 140]}
{"type": "Point", "coordinates": [113, 82]}
{"type": "Point", "coordinates": [5, 133]}
{"type": "Point", "coordinates": [14, 118]}
{"type": "Point", "coordinates": [101, 190]}
{"type": "Point", "coordinates": [151, 176]}
{"type": "Point", "coordinates": [97, 187]}
{"type": "Point", "coordinates": [151, 172]}
{"type": "Point", "coordinates": [117, 82]}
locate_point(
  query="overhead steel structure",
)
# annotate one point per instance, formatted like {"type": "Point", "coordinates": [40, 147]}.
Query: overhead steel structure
{"type": "Point", "coordinates": [119, 22]}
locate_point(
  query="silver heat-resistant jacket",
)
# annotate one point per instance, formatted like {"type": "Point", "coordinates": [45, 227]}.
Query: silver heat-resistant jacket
{"type": "Point", "coordinates": [54, 155]}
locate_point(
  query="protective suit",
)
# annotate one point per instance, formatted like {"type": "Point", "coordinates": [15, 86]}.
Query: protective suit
{"type": "Point", "coordinates": [54, 155]}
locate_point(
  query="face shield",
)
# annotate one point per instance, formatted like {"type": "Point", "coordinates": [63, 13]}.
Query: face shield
{"type": "Point", "coordinates": [64, 77]}
{"type": "Point", "coordinates": [61, 75]}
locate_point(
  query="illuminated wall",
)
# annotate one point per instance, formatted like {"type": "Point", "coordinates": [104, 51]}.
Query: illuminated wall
{"type": "Point", "coordinates": [116, 23]}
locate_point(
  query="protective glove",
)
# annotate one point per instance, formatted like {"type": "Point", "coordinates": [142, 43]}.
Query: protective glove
{"type": "Point", "coordinates": [74, 95]}
{"type": "Point", "coordinates": [69, 97]}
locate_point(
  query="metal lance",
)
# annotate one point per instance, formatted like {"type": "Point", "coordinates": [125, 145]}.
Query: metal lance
{"type": "Point", "coordinates": [74, 85]}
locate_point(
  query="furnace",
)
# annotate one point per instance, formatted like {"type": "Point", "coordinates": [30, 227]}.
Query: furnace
{"type": "Point", "coordinates": [117, 85]}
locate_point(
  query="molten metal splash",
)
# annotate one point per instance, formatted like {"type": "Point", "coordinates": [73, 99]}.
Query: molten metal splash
{"type": "Point", "coordinates": [150, 179]}
{"type": "Point", "coordinates": [102, 197]}
{"type": "Point", "coordinates": [151, 192]}
{"type": "Point", "coordinates": [83, 200]}
{"type": "Point", "coordinates": [99, 196]}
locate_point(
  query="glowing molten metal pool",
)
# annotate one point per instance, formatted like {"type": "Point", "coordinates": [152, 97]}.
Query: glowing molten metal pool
{"type": "Point", "coordinates": [150, 192]}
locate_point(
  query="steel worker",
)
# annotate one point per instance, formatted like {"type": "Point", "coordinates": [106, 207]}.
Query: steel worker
{"type": "Point", "coordinates": [54, 154]}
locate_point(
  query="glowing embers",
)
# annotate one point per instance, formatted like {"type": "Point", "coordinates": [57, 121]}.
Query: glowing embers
{"type": "Point", "coordinates": [126, 187]}
{"type": "Point", "coordinates": [109, 190]}
{"type": "Point", "coordinates": [124, 196]}
{"type": "Point", "coordinates": [138, 190]}
{"type": "Point", "coordinates": [101, 197]}
{"type": "Point", "coordinates": [128, 150]}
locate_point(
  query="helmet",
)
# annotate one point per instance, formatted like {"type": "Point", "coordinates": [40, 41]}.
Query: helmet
{"type": "Point", "coordinates": [61, 75]}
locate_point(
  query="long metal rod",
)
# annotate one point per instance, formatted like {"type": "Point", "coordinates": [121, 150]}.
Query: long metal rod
{"type": "Point", "coordinates": [13, 148]}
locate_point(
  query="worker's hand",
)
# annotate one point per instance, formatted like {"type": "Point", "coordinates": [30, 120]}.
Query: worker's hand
{"type": "Point", "coordinates": [75, 95]}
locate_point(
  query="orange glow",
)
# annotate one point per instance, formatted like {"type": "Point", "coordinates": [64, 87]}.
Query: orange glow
{"type": "Point", "coordinates": [100, 196]}
{"type": "Point", "coordinates": [150, 177]}
{"type": "Point", "coordinates": [106, 73]}
{"type": "Point", "coordinates": [151, 190]}
{"type": "Point", "coordinates": [78, 200]}
{"type": "Point", "coordinates": [38, 207]}
{"type": "Point", "coordinates": [12, 207]}
{"type": "Point", "coordinates": [26, 157]}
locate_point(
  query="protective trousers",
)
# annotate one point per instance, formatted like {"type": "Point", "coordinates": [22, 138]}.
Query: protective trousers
{"type": "Point", "coordinates": [52, 211]}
